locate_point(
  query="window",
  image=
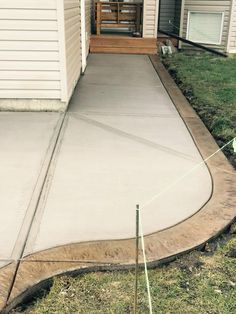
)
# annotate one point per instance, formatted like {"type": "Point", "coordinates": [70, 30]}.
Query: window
{"type": "Point", "coordinates": [205, 27]}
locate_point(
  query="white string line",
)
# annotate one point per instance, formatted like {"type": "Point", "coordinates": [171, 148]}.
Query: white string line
{"type": "Point", "coordinates": [145, 263]}
{"type": "Point", "coordinates": [168, 187]}
{"type": "Point", "coordinates": [152, 199]}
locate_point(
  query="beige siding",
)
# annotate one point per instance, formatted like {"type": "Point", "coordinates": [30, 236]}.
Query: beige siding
{"type": "Point", "coordinates": [72, 43]}
{"type": "Point", "coordinates": [29, 50]}
{"type": "Point", "coordinates": [209, 6]}
{"type": "Point", "coordinates": [232, 31]}
{"type": "Point", "coordinates": [150, 11]}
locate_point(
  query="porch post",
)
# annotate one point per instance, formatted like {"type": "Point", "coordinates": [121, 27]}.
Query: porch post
{"type": "Point", "coordinates": [150, 18]}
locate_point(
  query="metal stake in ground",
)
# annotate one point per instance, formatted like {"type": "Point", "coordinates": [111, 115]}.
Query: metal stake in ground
{"type": "Point", "coordinates": [136, 261]}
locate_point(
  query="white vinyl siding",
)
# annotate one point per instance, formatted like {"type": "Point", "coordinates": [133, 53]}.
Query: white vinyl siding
{"type": "Point", "coordinates": [29, 49]}
{"type": "Point", "coordinates": [204, 27]}
{"type": "Point", "coordinates": [232, 30]}
{"type": "Point", "coordinates": [72, 43]}
{"type": "Point", "coordinates": [150, 18]}
{"type": "Point", "coordinates": [220, 6]}
{"type": "Point", "coordinates": [40, 48]}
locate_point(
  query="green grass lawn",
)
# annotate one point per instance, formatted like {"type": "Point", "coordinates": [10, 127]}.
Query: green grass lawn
{"type": "Point", "coordinates": [209, 83]}
{"type": "Point", "coordinates": [200, 282]}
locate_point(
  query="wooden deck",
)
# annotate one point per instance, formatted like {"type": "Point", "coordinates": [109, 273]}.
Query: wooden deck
{"type": "Point", "coordinates": [122, 44]}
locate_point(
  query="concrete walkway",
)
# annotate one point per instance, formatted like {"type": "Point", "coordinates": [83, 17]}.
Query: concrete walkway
{"type": "Point", "coordinates": [122, 143]}
{"type": "Point", "coordinates": [78, 179]}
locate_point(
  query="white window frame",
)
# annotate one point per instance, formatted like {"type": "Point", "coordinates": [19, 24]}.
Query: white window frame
{"type": "Point", "coordinates": [207, 12]}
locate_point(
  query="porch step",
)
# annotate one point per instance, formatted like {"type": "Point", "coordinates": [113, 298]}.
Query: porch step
{"type": "Point", "coordinates": [122, 44]}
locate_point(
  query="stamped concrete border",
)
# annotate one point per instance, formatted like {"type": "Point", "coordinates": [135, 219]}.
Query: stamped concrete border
{"type": "Point", "coordinates": [162, 246]}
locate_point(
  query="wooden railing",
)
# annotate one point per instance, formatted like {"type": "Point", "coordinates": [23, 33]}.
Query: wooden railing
{"type": "Point", "coordinates": [118, 15]}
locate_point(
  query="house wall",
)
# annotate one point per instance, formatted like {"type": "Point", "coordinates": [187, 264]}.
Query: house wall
{"type": "Point", "coordinates": [29, 49]}
{"type": "Point", "coordinates": [232, 30]}
{"type": "Point", "coordinates": [150, 20]}
{"type": "Point", "coordinates": [209, 6]}
{"type": "Point", "coordinates": [40, 52]}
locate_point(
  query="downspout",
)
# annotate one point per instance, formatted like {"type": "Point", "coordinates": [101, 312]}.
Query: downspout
{"type": "Point", "coordinates": [83, 36]}
{"type": "Point", "coordinates": [157, 17]}
{"type": "Point", "coordinates": [230, 25]}
{"type": "Point", "coordinates": [181, 22]}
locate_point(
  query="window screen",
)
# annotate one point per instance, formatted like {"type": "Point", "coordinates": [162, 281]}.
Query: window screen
{"type": "Point", "coordinates": [205, 27]}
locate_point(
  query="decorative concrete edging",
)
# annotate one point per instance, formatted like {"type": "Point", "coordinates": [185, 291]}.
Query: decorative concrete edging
{"type": "Point", "coordinates": [162, 246]}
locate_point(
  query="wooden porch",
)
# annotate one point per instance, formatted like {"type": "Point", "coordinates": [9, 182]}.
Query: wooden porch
{"type": "Point", "coordinates": [118, 27]}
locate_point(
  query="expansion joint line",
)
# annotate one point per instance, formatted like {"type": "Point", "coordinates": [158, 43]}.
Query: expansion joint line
{"type": "Point", "coordinates": [32, 209]}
